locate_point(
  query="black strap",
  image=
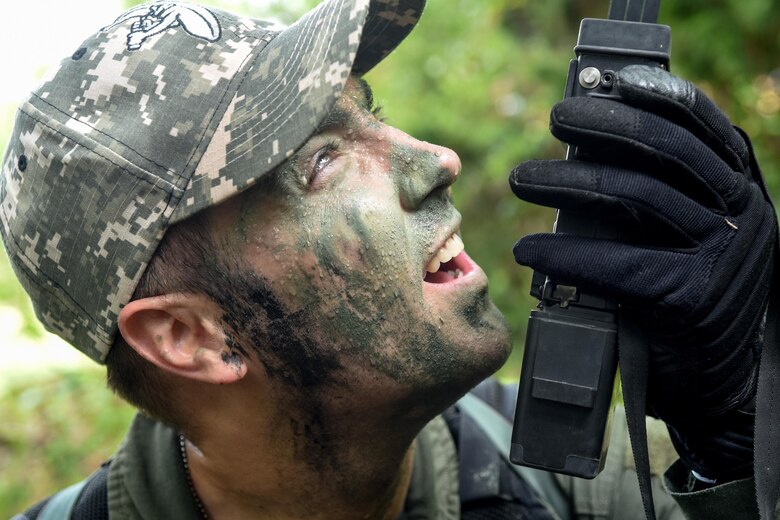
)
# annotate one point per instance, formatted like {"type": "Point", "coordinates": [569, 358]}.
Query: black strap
{"type": "Point", "coordinates": [766, 441]}
{"type": "Point", "coordinates": [90, 502]}
{"type": "Point", "coordinates": [765, 444]}
{"type": "Point", "coordinates": [634, 10]}
{"type": "Point", "coordinates": [93, 502]}
{"type": "Point", "coordinates": [634, 356]}
{"type": "Point", "coordinates": [633, 346]}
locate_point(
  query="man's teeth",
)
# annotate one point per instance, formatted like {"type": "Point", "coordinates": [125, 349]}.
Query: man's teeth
{"type": "Point", "coordinates": [452, 248]}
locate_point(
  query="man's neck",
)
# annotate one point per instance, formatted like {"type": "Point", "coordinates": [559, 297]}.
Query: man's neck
{"type": "Point", "coordinates": [306, 468]}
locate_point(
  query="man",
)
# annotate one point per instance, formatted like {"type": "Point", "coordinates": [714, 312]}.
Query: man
{"type": "Point", "coordinates": [210, 206]}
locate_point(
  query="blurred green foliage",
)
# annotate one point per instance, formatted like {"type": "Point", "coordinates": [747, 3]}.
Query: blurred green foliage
{"type": "Point", "coordinates": [56, 430]}
{"type": "Point", "coordinates": [478, 77]}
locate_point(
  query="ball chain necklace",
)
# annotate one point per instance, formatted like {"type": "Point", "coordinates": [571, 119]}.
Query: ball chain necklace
{"type": "Point", "coordinates": [198, 503]}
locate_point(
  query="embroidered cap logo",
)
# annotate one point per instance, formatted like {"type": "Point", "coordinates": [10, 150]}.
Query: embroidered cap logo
{"type": "Point", "coordinates": [156, 18]}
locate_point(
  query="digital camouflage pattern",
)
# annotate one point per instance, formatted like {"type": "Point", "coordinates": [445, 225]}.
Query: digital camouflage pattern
{"type": "Point", "coordinates": [169, 109]}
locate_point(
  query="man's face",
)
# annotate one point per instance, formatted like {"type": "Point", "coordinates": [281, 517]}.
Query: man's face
{"type": "Point", "coordinates": [334, 256]}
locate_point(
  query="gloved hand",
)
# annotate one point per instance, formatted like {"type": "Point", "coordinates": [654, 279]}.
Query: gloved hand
{"type": "Point", "coordinates": [697, 230]}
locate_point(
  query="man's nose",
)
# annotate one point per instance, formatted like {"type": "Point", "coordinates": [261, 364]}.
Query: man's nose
{"type": "Point", "coordinates": [425, 170]}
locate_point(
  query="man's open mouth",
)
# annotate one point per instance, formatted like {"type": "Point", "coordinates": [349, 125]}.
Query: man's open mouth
{"type": "Point", "coordinates": [449, 263]}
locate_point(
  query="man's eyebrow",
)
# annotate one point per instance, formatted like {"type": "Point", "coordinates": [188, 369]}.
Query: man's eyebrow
{"type": "Point", "coordinates": [368, 94]}
{"type": "Point", "coordinates": [338, 118]}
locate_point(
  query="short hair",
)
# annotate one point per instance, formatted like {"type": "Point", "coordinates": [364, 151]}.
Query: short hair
{"type": "Point", "coordinates": [186, 260]}
{"type": "Point", "coordinates": [189, 259]}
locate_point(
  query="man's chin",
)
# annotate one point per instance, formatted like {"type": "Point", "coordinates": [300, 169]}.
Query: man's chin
{"type": "Point", "coordinates": [491, 347]}
{"type": "Point", "coordinates": [472, 356]}
{"type": "Point", "coordinates": [488, 341]}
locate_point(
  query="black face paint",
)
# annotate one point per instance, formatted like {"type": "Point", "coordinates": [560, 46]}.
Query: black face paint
{"type": "Point", "coordinates": [253, 311]}
{"type": "Point", "coordinates": [277, 338]}
{"type": "Point", "coordinates": [232, 358]}
{"type": "Point", "coordinates": [234, 345]}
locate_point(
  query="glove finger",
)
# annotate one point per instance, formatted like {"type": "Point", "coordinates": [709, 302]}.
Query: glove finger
{"type": "Point", "coordinates": [612, 192]}
{"type": "Point", "coordinates": [656, 90]}
{"type": "Point", "coordinates": [666, 280]}
{"type": "Point", "coordinates": [613, 132]}
{"type": "Point", "coordinates": [688, 285]}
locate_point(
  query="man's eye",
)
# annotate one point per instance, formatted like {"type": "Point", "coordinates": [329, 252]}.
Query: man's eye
{"type": "Point", "coordinates": [322, 159]}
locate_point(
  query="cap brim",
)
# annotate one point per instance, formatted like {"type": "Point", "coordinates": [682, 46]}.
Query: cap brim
{"type": "Point", "coordinates": [289, 88]}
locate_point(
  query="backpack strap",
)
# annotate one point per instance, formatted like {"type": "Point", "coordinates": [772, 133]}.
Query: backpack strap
{"type": "Point", "coordinates": [85, 500]}
{"type": "Point", "coordinates": [93, 502]}
{"type": "Point", "coordinates": [60, 505]}
{"type": "Point", "coordinates": [499, 431]}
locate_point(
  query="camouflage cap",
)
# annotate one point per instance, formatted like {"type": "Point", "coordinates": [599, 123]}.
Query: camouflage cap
{"type": "Point", "coordinates": [168, 110]}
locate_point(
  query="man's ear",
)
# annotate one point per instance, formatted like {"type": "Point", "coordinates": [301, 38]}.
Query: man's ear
{"type": "Point", "coordinates": [182, 334]}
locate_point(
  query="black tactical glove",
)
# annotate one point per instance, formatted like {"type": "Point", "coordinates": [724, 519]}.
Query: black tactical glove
{"type": "Point", "coordinates": [683, 191]}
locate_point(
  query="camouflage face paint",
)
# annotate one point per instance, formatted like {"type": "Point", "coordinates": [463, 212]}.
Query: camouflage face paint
{"type": "Point", "coordinates": [233, 359]}
{"type": "Point", "coordinates": [332, 292]}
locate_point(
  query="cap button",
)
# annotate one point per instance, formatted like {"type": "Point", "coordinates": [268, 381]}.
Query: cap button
{"type": "Point", "coordinates": [79, 53]}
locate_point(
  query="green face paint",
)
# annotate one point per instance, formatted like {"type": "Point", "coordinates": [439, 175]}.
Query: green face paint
{"type": "Point", "coordinates": [332, 291]}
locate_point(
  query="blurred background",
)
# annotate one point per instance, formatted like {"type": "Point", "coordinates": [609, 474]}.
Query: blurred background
{"type": "Point", "coordinates": [476, 76]}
